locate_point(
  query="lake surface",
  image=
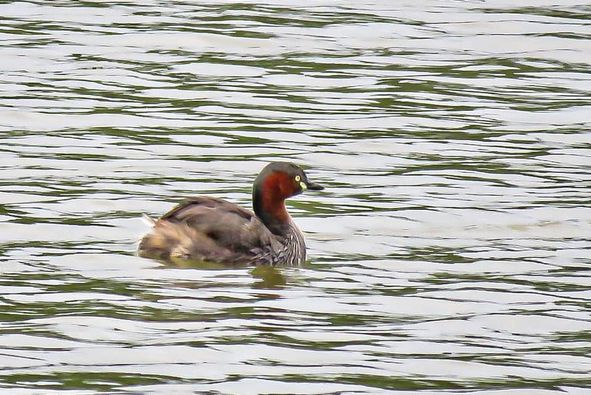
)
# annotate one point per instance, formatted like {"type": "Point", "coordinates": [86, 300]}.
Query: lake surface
{"type": "Point", "coordinates": [449, 253]}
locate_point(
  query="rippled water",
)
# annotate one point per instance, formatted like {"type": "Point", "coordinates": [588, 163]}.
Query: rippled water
{"type": "Point", "coordinates": [450, 251]}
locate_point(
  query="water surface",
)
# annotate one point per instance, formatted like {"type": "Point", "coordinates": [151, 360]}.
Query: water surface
{"type": "Point", "coordinates": [449, 252]}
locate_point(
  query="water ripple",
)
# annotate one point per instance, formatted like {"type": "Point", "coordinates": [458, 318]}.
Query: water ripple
{"type": "Point", "coordinates": [449, 250]}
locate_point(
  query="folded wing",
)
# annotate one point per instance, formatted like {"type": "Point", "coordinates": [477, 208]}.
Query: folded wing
{"type": "Point", "coordinates": [208, 229]}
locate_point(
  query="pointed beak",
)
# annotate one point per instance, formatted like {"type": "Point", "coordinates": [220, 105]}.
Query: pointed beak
{"type": "Point", "coordinates": [314, 187]}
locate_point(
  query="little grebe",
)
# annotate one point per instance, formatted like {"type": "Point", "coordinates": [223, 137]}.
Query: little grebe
{"type": "Point", "coordinates": [213, 230]}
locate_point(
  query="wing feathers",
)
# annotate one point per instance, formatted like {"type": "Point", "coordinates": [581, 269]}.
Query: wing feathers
{"type": "Point", "coordinates": [207, 229]}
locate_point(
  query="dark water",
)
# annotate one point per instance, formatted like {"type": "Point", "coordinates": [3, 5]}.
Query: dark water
{"type": "Point", "coordinates": [449, 253]}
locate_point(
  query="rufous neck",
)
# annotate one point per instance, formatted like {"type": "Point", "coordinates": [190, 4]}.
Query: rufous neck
{"type": "Point", "coordinates": [269, 206]}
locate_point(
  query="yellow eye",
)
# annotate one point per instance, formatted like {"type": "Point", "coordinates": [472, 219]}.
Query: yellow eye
{"type": "Point", "coordinates": [298, 178]}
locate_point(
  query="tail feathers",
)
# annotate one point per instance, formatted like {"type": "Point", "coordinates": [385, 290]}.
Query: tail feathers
{"type": "Point", "coordinates": [148, 220]}
{"type": "Point", "coordinates": [169, 241]}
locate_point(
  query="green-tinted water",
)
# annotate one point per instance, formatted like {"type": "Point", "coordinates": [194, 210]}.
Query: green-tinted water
{"type": "Point", "coordinates": [450, 251]}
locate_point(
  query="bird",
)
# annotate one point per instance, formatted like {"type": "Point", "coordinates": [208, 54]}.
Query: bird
{"type": "Point", "coordinates": [210, 229]}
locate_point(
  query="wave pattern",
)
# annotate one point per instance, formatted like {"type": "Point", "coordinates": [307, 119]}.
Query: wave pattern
{"type": "Point", "coordinates": [449, 251]}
